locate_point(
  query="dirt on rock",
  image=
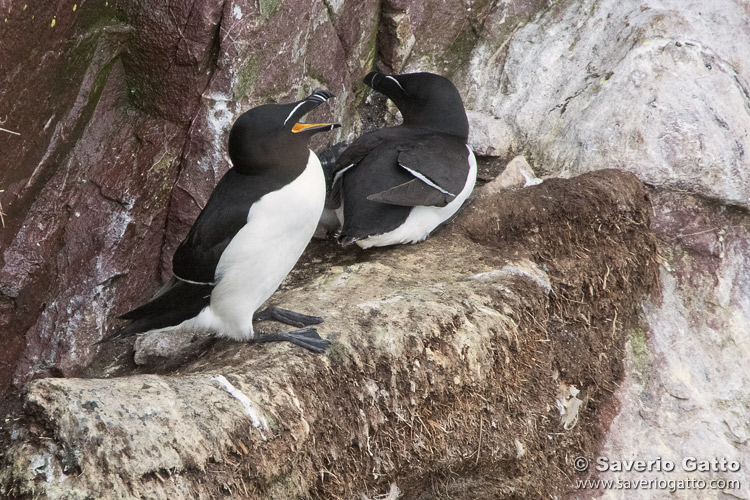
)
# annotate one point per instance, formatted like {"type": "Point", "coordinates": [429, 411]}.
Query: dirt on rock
{"type": "Point", "coordinates": [477, 364]}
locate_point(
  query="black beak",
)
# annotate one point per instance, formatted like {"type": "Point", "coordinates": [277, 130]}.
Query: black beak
{"type": "Point", "coordinates": [301, 108]}
{"type": "Point", "coordinates": [385, 84]}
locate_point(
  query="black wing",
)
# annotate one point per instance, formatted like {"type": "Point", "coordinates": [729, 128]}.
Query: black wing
{"type": "Point", "coordinates": [411, 194]}
{"type": "Point", "coordinates": [173, 304]}
{"type": "Point", "coordinates": [440, 166]}
{"type": "Point", "coordinates": [352, 156]}
{"type": "Point", "coordinates": [221, 219]}
{"type": "Point", "coordinates": [376, 172]}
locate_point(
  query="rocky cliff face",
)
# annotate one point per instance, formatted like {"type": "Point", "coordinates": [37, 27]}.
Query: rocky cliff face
{"type": "Point", "coordinates": [660, 89]}
{"type": "Point", "coordinates": [114, 118]}
{"type": "Point", "coordinates": [458, 376]}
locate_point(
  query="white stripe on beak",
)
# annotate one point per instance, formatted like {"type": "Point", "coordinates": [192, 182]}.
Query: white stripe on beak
{"type": "Point", "coordinates": [293, 111]}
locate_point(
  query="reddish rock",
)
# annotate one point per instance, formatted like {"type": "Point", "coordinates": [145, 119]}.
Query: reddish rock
{"type": "Point", "coordinates": [117, 127]}
{"type": "Point", "coordinates": [116, 147]}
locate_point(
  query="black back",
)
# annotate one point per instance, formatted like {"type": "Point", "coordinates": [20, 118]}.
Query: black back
{"type": "Point", "coordinates": [267, 153]}
{"type": "Point", "coordinates": [373, 176]}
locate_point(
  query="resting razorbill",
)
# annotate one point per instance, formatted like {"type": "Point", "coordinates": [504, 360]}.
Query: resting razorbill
{"type": "Point", "coordinates": [256, 224]}
{"type": "Point", "coordinates": [397, 184]}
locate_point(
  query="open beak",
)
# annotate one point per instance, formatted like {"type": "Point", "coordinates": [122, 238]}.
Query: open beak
{"type": "Point", "coordinates": [317, 127]}
{"type": "Point", "coordinates": [301, 108]}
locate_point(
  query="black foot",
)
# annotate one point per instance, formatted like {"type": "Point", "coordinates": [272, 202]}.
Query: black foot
{"type": "Point", "coordinates": [305, 337]}
{"type": "Point", "coordinates": [288, 317]}
{"type": "Point", "coordinates": [346, 241]}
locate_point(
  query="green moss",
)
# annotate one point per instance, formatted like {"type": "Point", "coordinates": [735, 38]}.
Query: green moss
{"type": "Point", "coordinates": [97, 15]}
{"type": "Point", "coordinates": [360, 90]}
{"type": "Point", "coordinates": [319, 78]}
{"type": "Point", "coordinates": [338, 353]}
{"type": "Point", "coordinates": [639, 350]}
{"type": "Point", "coordinates": [246, 78]}
{"type": "Point", "coordinates": [370, 42]}
{"type": "Point", "coordinates": [136, 91]}
{"type": "Point", "coordinates": [162, 177]}
{"type": "Point", "coordinates": [164, 162]}
{"type": "Point", "coordinates": [95, 93]}
{"type": "Point", "coordinates": [368, 64]}
{"type": "Point", "coordinates": [268, 7]}
{"type": "Point", "coordinates": [92, 23]}
{"type": "Point", "coordinates": [457, 54]}
{"type": "Point", "coordinates": [329, 9]}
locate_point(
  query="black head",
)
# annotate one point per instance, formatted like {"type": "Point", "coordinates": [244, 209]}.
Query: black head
{"type": "Point", "coordinates": [270, 136]}
{"type": "Point", "coordinates": [425, 100]}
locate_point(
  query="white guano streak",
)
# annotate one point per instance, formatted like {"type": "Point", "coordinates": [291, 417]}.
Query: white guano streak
{"type": "Point", "coordinates": [259, 422]}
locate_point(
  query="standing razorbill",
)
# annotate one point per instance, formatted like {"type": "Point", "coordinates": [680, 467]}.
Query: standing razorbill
{"type": "Point", "coordinates": [397, 184]}
{"type": "Point", "coordinates": [256, 224]}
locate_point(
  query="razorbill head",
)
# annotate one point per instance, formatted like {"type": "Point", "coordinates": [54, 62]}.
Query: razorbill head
{"type": "Point", "coordinates": [254, 227]}
{"type": "Point", "coordinates": [397, 184]}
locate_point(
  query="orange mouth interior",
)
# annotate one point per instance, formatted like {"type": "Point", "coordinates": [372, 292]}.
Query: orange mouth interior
{"type": "Point", "coordinates": [299, 127]}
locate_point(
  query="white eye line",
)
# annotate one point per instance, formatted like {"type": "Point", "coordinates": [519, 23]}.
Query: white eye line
{"type": "Point", "coordinates": [427, 181]}
{"type": "Point", "coordinates": [399, 85]}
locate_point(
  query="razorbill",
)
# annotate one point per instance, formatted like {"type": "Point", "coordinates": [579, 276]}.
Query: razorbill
{"type": "Point", "coordinates": [397, 184]}
{"type": "Point", "coordinates": [254, 227]}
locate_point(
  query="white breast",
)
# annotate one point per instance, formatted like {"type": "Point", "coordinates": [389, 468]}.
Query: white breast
{"type": "Point", "coordinates": [422, 220]}
{"type": "Point", "coordinates": [279, 227]}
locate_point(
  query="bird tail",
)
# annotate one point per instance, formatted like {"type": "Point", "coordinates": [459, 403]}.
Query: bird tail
{"type": "Point", "coordinates": [174, 303]}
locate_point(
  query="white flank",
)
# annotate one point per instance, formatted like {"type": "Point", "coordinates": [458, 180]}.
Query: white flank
{"type": "Point", "coordinates": [422, 220]}
{"type": "Point", "coordinates": [279, 227]}
{"type": "Point", "coordinates": [259, 422]}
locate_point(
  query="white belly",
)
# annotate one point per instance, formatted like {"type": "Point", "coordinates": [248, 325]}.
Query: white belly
{"type": "Point", "coordinates": [422, 220]}
{"type": "Point", "coordinates": [279, 227]}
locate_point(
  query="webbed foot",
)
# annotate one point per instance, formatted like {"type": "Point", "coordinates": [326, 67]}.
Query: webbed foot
{"type": "Point", "coordinates": [304, 337]}
{"type": "Point", "coordinates": [286, 316]}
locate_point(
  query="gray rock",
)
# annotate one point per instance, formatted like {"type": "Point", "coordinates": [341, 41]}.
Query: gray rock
{"type": "Point", "coordinates": [169, 349]}
{"type": "Point", "coordinates": [659, 89]}
{"type": "Point", "coordinates": [517, 174]}
{"type": "Point", "coordinates": [488, 135]}
{"type": "Point", "coordinates": [448, 353]}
